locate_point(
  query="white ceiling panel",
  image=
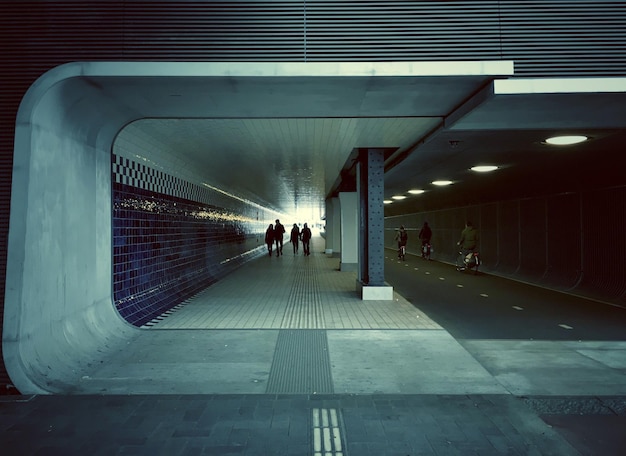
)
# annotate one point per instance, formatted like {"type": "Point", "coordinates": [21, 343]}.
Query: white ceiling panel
{"type": "Point", "coordinates": [284, 164]}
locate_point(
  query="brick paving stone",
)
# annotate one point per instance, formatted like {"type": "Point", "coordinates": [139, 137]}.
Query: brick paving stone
{"type": "Point", "coordinates": [234, 425]}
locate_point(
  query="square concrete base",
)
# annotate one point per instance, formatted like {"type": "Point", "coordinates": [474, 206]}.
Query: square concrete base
{"type": "Point", "coordinates": [374, 293]}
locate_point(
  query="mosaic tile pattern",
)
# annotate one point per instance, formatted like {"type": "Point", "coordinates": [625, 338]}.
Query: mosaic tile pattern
{"type": "Point", "coordinates": [169, 243]}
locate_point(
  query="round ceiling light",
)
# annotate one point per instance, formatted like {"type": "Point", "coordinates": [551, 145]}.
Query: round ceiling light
{"type": "Point", "coordinates": [398, 197]}
{"type": "Point", "coordinates": [416, 191]}
{"type": "Point", "coordinates": [387, 201]}
{"type": "Point", "coordinates": [566, 140]}
{"type": "Point", "coordinates": [484, 168]}
{"type": "Point", "coordinates": [441, 183]}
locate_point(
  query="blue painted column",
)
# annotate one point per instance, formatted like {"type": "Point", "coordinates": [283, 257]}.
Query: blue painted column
{"type": "Point", "coordinates": [370, 188]}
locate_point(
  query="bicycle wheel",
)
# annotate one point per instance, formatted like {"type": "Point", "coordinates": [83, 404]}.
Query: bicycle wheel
{"type": "Point", "coordinates": [460, 265]}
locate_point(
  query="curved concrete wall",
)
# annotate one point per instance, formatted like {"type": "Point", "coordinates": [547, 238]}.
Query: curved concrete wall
{"type": "Point", "coordinates": [58, 313]}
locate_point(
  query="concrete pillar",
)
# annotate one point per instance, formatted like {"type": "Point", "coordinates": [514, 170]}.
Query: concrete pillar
{"type": "Point", "coordinates": [349, 231]}
{"type": "Point", "coordinates": [333, 227]}
{"type": "Point", "coordinates": [336, 227]}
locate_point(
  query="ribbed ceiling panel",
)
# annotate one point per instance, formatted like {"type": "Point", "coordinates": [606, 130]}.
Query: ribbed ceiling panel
{"type": "Point", "coordinates": [234, 30]}
{"type": "Point", "coordinates": [543, 37]}
{"type": "Point", "coordinates": [402, 30]}
{"type": "Point", "coordinates": [565, 38]}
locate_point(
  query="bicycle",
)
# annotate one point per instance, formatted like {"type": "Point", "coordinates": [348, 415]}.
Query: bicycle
{"type": "Point", "coordinates": [402, 252]}
{"type": "Point", "coordinates": [426, 250]}
{"type": "Point", "coordinates": [468, 260]}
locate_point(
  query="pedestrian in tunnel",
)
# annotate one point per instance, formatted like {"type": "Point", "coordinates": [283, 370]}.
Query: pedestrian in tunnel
{"type": "Point", "coordinates": [306, 239]}
{"type": "Point", "coordinates": [269, 238]}
{"type": "Point", "coordinates": [295, 238]}
{"type": "Point", "coordinates": [279, 232]}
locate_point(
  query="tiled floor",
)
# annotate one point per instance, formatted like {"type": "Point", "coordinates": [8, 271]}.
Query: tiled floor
{"type": "Point", "coordinates": [292, 292]}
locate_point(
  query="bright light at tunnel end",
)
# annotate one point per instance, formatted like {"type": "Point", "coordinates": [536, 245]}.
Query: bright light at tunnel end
{"type": "Point", "coordinates": [566, 140]}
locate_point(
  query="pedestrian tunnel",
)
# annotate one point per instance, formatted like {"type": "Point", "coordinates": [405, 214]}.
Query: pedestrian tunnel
{"type": "Point", "coordinates": [110, 227]}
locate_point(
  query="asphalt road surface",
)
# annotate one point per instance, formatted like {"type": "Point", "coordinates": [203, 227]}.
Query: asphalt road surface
{"type": "Point", "coordinates": [483, 306]}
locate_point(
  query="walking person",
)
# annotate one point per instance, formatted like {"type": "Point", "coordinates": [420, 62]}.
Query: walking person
{"type": "Point", "coordinates": [269, 238]}
{"type": "Point", "coordinates": [279, 231]}
{"type": "Point", "coordinates": [295, 238]}
{"type": "Point", "coordinates": [306, 239]}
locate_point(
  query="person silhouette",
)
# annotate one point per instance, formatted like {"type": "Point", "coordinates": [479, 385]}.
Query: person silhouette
{"type": "Point", "coordinates": [306, 239]}
{"type": "Point", "coordinates": [279, 231]}
{"type": "Point", "coordinates": [269, 238]}
{"type": "Point", "coordinates": [295, 238]}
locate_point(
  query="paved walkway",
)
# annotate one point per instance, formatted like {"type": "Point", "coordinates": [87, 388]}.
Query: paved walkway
{"type": "Point", "coordinates": [283, 358]}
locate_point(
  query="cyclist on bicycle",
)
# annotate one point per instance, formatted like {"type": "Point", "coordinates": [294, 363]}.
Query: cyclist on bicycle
{"type": "Point", "coordinates": [425, 234]}
{"type": "Point", "coordinates": [469, 240]}
{"type": "Point", "coordinates": [402, 237]}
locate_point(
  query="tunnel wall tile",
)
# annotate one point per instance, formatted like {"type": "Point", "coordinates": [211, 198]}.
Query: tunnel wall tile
{"type": "Point", "coordinates": [166, 248]}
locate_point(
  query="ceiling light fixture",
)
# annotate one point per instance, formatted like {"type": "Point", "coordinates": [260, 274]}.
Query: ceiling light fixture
{"type": "Point", "coordinates": [416, 191]}
{"type": "Point", "coordinates": [387, 201]}
{"type": "Point", "coordinates": [441, 183]}
{"type": "Point", "coordinates": [484, 168]}
{"type": "Point", "coordinates": [566, 140]}
{"type": "Point", "coordinates": [398, 197]}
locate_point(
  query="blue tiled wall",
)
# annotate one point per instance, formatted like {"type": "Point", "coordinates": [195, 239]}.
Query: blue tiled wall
{"type": "Point", "coordinates": [170, 242]}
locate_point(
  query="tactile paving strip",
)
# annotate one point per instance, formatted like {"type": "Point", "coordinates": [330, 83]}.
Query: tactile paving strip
{"type": "Point", "coordinates": [304, 309]}
{"type": "Point", "coordinates": [301, 363]}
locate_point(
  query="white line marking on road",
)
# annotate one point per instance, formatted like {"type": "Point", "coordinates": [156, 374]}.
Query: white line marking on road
{"type": "Point", "coordinates": [518, 308]}
{"type": "Point", "coordinates": [565, 326]}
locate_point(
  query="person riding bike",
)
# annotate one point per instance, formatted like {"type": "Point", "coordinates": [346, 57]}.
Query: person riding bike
{"type": "Point", "coordinates": [468, 241]}
{"type": "Point", "coordinates": [425, 234]}
{"type": "Point", "coordinates": [402, 238]}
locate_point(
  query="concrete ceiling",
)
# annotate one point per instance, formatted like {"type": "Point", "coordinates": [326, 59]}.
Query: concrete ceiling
{"type": "Point", "coordinates": [281, 142]}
